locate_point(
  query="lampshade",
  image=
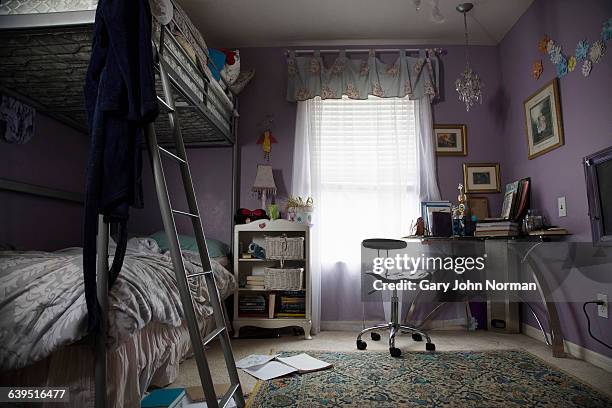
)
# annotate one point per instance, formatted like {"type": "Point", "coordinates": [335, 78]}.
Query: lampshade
{"type": "Point", "coordinates": [264, 180]}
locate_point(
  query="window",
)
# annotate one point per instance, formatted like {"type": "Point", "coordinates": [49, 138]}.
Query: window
{"type": "Point", "coordinates": [364, 153]}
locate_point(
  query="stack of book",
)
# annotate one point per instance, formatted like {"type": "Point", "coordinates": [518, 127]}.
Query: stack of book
{"type": "Point", "coordinates": [255, 282]}
{"type": "Point", "coordinates": [291, 304]}
{"type": "Point", "coordinates": [252, 306]}
{"type": "Point", "coordinates": [496, 227]}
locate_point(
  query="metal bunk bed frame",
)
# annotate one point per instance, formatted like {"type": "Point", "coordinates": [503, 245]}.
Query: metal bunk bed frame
{"type": "Point", "coordinates": [167, 81]}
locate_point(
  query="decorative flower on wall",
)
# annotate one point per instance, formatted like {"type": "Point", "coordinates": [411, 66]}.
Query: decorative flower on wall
{"type": "Point", "coordinates": [606, 30]}
{"type": "Point", "coordinates": [597, 51]}
{"type": "Point", "coordinates": [571, 63]}
{"type": "Point", "coordinates": [582, 49]}
{"type": "Point", "coordinates": [555, 54]}
{"type": "Point", "coordinates": [543, 44]}
{"type": "Point", "coordinates": [586, 67]}
{"type": "Point", "coordinates": [562, 67]}
{"type": "Point", "coordinates": [536, 69]}
{"type": "Point", "coordinates": [549, 45]}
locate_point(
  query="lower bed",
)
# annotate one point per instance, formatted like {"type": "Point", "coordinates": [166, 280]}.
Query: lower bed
{"type": "Point", "coordinates": [43, 316]}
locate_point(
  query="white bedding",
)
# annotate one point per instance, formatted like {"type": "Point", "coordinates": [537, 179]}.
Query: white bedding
{"type": "Point", "coordinates": [42, 301]}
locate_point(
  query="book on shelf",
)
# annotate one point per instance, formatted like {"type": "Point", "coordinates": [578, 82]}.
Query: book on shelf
{"type": "Point", "coordinates": [271, 305]}
{"type": "Point", "coordinates": [255, 287]}
{"type": "Point", "coordinates": [291, 315]}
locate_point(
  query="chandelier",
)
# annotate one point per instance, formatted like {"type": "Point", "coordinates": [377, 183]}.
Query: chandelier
{"type": "Point", "coordinates": [468, 85]}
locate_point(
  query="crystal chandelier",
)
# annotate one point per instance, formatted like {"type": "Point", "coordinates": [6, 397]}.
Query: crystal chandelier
{"type": "Point", "coordinates": [468, 85]}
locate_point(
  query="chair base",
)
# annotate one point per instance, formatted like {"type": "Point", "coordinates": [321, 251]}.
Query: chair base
{"type": "Point", "coordinates": [394, 329]}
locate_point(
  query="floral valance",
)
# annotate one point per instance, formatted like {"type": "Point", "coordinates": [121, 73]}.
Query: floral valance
{"type": "Point", "coordinates": [414, 77]}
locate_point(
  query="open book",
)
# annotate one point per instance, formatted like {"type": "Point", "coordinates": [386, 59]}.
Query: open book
{"type": "Point", "coordinates": [272, 366]}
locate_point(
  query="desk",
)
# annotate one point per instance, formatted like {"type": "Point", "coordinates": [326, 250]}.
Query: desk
{"type": "Point", "coordinates": [503, 262]}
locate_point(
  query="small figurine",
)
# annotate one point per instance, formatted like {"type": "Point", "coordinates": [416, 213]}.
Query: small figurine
{"type": "Point", "coordinates": [266, 140]}
{"type": "Point", "coordinates": [462, 199]}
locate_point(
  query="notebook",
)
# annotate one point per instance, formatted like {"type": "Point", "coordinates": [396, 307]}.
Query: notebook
{"type": "Point", "coordinates": [280, 366]}
{"type": "Point", "coordinates": [163, 398]}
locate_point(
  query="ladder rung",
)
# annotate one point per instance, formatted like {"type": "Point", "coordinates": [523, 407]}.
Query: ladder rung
{"type": "Point", "coordinates": [164, 104]}
{"type": "Point", "coordinates": [186, 214]}
{"type": "Point", "coordinates": [184, 105]}
{"type": "Point", "coordinates": [193, 275]}
{"type": "Point", "coordinates": [228, 396]}
{"type": "Point", "coordinates": [212, 336]}
{"type": "Point", "coordinates": [171, 155]}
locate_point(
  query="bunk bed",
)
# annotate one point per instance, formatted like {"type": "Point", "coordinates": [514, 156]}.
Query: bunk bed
{"type": "Point", "coordinates": [45, 47]}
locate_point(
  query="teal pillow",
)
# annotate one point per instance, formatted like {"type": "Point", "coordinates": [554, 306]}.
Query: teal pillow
{"type": "Point", "coordinates": [216, 248]}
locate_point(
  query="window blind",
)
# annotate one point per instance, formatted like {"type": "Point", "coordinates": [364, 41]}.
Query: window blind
{"type": "Point", "coordinates": [365, 145]}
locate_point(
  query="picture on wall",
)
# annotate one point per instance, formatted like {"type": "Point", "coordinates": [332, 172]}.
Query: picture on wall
{"type": "Point", "coordinates": [481, 177]}
{"type": "Point", "coordinates": [543, 124]}
{"type": "Point", "coordinates": [451, 140]}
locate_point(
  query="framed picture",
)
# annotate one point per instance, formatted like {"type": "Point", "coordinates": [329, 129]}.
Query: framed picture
{"type": "Point", "coordinates": [451, 140]}
{"type": "Point", "coordinates": [429, 207]}
{"type": "Point", "coordinates": [543, 124]}
{"type": "Point", "coordinates": [481, 177]}
{"type": "Point", "coordinates": [479, 207]}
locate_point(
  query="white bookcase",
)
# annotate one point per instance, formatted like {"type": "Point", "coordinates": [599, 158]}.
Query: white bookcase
{"type": "Point", "coordinates": [256, 231]}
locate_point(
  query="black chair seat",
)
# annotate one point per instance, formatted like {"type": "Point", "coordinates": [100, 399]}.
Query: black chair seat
{"type": "Point", "coordinates": [383, 243]}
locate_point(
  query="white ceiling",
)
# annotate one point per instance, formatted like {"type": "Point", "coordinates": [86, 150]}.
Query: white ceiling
{"type": "Point", "coordinates": [261, 23]}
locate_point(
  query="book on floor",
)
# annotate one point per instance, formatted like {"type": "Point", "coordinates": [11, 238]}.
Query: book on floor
{"type": "Point", "coordinates": [163, 398]}
{"type": "Point", "coordinates": [269, 367]}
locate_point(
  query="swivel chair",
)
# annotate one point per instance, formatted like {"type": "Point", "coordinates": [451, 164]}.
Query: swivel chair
{"type": "Point", "coordinates": [393, 326]}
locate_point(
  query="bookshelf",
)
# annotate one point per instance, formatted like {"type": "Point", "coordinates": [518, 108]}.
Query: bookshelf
{"type": "Point", "coordinates": [280, 308]}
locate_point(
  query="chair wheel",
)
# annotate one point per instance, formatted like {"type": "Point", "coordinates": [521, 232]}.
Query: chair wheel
{"type": "Point", "coordinates": [361, 345]}
{"type": "Point", "coordinates": [430, 347]}
{"type": "Point", "coordinates": [375, 336]}
{"type": "Point", "coordinates": [395, 352]}
{"type": "Point", "coordinates": [417, 337]}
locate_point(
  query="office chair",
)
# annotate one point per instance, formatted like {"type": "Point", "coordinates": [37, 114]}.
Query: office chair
{"type": "Point", "coordinates": [393, 326]}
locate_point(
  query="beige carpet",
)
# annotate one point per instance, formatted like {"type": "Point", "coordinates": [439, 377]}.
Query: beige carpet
{"type": "Point", "coordinates": [345, 341]}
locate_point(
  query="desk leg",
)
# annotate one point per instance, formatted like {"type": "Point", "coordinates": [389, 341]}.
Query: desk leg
{"type": "Point", "coordinates": [558, 349]}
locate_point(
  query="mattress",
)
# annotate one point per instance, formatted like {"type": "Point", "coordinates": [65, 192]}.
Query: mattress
{"type": "Point", "coordinates": [61, 44]}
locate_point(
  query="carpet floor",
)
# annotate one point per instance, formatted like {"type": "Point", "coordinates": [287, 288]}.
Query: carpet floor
{"type": "Point", "coordinates": [506, 378]}
{"type": "Point", "coordinates": [344, 342]}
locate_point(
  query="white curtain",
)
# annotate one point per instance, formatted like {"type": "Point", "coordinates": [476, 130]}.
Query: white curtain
{"type": "Point", "coordinates": [367, 164]}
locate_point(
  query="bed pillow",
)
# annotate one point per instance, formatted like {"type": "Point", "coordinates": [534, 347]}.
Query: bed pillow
{"type": "Point", "coordinates": [216, 63]}
{"type": "Point", "coordinates": [216, 248]}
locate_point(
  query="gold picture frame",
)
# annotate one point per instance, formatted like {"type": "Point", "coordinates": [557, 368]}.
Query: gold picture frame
{"type": "Point", "coordinates": [543, 121]}
{"type": "Point", "coordinates": [481, 178]}
{"type": "Point", "coordinates": [451, 140]}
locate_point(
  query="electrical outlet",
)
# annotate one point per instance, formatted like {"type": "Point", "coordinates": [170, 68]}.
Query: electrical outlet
{"type": "Point", "coordinates": [602, 310]}
{"type": "Point", "coordinates": [561, 206]}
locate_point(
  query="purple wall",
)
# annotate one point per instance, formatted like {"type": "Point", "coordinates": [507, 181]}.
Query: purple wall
{"type": "Point", "coordinates": [211, 171]}
{"type": "Point", "coordinates": [586, 105]}
{"type": "Point", "coordinates": [55, 157]}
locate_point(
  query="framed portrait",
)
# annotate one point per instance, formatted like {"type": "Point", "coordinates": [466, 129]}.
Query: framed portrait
{"type": "Point", "coordinates": [481, 177]}
{"type": "Point", "coordinates": [479, 207]}
{"type": "Point", "coordinates": [543, 124]}
{"type": "Point", "coordinates": [451, 140]}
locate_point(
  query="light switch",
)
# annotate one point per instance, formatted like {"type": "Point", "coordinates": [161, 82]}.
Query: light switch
{"type": "Point", "coordinates": [562, 208]}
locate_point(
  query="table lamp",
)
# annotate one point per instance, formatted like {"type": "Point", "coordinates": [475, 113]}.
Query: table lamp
{"type": "Point", "coordinates": [264, 183]}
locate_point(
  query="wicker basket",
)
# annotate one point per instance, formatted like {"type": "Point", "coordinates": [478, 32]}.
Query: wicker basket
{"type": "Point", "coordinates": [283, 279]}
{"type": "Point", "coordinates": [284, 247]}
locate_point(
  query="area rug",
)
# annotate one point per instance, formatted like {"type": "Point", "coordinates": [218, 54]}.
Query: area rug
{"type": "Point", "coordinates": [440, 379]}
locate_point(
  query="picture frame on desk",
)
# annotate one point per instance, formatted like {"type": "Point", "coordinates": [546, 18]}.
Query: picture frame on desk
{"type": "Point", "coordinates": [451, 140]}
{"type": "Point", "coordinates": [481, 177]}
{"type": "Point", "coordinates": [543, 121]}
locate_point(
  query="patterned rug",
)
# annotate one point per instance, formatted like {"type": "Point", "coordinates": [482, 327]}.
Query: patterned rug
{"type": "Point", "coordinates": [450, 379]}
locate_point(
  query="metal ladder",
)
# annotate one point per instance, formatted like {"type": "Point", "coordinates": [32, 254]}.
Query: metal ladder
{"type": "Point", "coordinates": [168, 213]}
